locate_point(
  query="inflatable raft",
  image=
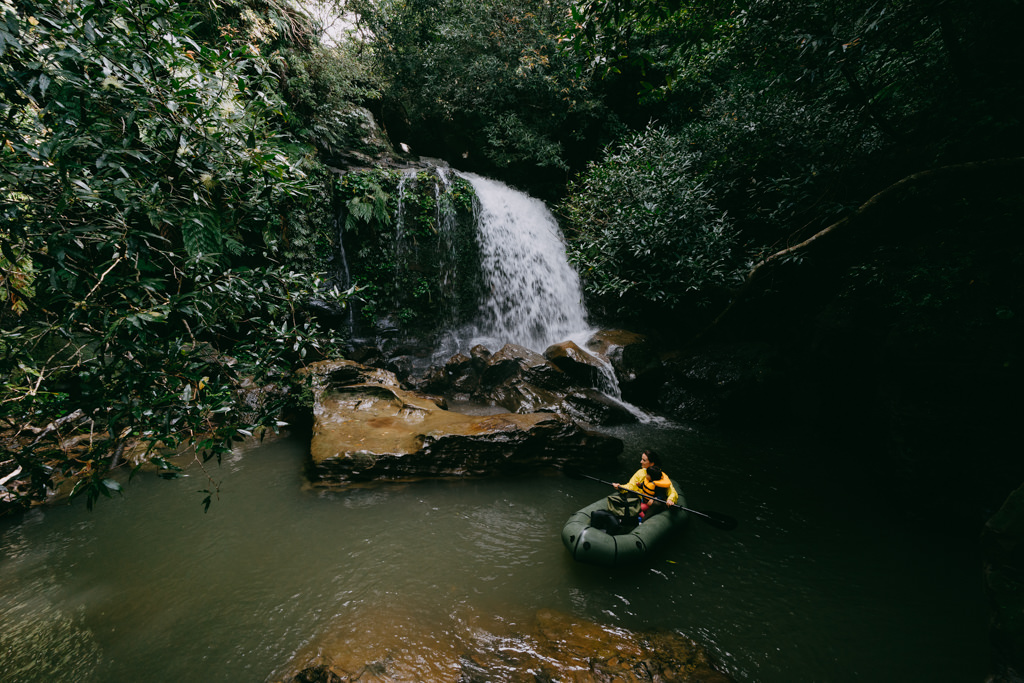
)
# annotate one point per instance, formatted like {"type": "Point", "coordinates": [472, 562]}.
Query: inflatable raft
{"type": "Point", "coordinates": [596, 546]}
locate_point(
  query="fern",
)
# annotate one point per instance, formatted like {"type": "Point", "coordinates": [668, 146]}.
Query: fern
{"type": "Point", "coordinates": [368, 208]}
{"type": "Point", "coordinates": [201, 234]}
{"type": "Point", "coordinates": [360, 209]}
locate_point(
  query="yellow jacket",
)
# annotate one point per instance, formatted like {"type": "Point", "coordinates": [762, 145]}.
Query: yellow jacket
{"type": "Point", "coordinates": [641, 474]}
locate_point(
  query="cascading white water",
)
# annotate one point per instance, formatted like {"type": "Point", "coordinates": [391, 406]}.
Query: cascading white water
{"type": "Point", "coordinates": [346, 279]}
{"type": "Point", "coordinates": [446, 234]}
{"type": "Point", "coordinates": [533, 296]}
{"type": "Point", "coordinates": [404, 248]}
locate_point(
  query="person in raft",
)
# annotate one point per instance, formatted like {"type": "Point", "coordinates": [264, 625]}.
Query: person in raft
{"type": "Point", "coordinates": [652, 481]}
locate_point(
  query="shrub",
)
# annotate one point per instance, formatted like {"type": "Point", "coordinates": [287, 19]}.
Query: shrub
{"type": "Point", "coordinates": [642, 227]}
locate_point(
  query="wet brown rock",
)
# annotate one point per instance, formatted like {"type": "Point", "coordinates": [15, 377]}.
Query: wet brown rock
{"type": "Point", "coordinates": [481, 356]}
{"type": "Point", "coordinates": [612, 654]}
{"type": "Point", "coordinates": [375, 429]}
{"type": "Point", "coordinates": [634, 359]}
{"type": "Point", "coordinates": [594, 407]}
{"type": "Point", "coordinates": [575, 362]}
{"type": "Point", "coordinates": [566, 380]}
{"type": "Point", "coordinates": [517, 363]}
{"type": "Point", "coordinates": [604, 341]}
{"type": "Point", "coordinates": [318, 673]}
{"type": "Point", "coordinates": [523, 397]}
{"type": "Point", "coordinates": [461, 376]}
{"type": "Point", "coordinates": [522, 381]}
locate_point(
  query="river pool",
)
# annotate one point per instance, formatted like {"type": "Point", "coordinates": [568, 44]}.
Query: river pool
{"type": "Point", "coordinates": [821, 581]}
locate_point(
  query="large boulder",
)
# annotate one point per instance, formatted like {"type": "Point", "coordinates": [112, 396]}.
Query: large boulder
{"type": "Point", "coordinates": [584, 368]}
{"type": "Point", "coordinates": [634, 359]}
{"type": "Point", "coordinates": [367, 426]}
{"type": "Point", "coordinates": [595, 407]}
{"type": "Point", "coordinates": [565, 380]}
{"type": "Point", "coordinates": [517, 364]}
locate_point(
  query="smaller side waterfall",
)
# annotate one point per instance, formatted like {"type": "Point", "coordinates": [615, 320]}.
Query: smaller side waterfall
{"type": "Point", "coordinates": [448, 260]}
{"type": "Point", "coordinates": [343, 271]}
{"type": "Point", "coordinates": [405, 247]}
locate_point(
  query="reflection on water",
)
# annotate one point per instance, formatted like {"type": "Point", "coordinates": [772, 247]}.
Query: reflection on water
{"type": "Point", "coordinates": [34, 619]}
{"type": "Point", "coordinates": [813, 586]}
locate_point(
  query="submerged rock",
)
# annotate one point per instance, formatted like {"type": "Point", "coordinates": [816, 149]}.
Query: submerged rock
{"type": "Point", "coordinates": [553, 646]}
{"type": "Point", "coordinates": [366, 426]}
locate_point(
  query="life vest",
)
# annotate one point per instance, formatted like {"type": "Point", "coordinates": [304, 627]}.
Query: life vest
{"type": "Point", "coordinates": [656, 489]}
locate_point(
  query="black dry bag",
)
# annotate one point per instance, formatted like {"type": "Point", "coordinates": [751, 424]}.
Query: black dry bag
{"type": "Point", "coordinates": [605, 521]}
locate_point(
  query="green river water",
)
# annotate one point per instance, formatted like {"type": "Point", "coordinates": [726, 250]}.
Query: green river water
{"type": "Point", "coordinates": [820, 582]}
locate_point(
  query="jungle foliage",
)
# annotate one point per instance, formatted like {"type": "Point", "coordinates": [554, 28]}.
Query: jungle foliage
{"type": "Point", "coordinates": [166, 210]}
{"type": "Point", "coordinates": [486, 86]}
{"type": "Point", "coordinates": [645, 230]}
{"type": "Point", "coordinates": [786, 115]}
{"type": "Point", "coordinates": [154, 189]}
{"type": "Point", "coordinates": [792, 115]}
{"type": "Point", "coordinates": [408, 236]}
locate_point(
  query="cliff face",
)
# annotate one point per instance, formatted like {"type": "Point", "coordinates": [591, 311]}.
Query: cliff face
{"type": "Point", "coordinates": [368, 426]}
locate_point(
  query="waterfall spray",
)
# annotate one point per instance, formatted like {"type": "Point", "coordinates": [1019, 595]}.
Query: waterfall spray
{"type": "Point", "coordinates": [532, 295]}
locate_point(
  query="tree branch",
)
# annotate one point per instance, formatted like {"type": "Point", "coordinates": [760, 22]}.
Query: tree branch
{"type": "Point", "coordinates": [868, 207]}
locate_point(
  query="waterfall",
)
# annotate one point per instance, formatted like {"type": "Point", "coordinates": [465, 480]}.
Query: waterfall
{"type": "Point", "coordinates": [342, 274]}
{"type": "Point", "coordinates": [445, 219]}
{"type": "Point", "coordinates": [522, 289]}
{"type": "Point", "coordinates": [532, 295]}
{"type": "Point", "coordinates": [405, 248]}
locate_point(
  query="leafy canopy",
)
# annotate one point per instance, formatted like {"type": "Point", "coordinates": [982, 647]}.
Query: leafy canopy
{"type": "Point", "coordinates": [484, 84]}
{"type": "Point", "coordinates": [794, 113]}
{"type": "Point", "coordinates": [645, 230]}
{"type": "Point", "coordinates": [141, 171]}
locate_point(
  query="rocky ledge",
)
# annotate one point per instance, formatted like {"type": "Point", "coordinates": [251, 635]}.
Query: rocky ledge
{"type": "Point", "coordinates": [568, 380]}
{"type": "Point", "coordinates": [367, 425]}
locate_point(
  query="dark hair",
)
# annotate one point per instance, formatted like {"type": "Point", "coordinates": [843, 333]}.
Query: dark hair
{"type": "Point", "coordinates": [652, 456]}
{"type": "Point", "coordinates": [654, 472]}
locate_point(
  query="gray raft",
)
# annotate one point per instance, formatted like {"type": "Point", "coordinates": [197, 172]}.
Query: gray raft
{"type": "Point", "coordinates": [596, 546]}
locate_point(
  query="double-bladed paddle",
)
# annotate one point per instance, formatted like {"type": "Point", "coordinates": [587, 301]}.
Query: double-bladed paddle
{"type": "Point", "coordinates": [714, 518]}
